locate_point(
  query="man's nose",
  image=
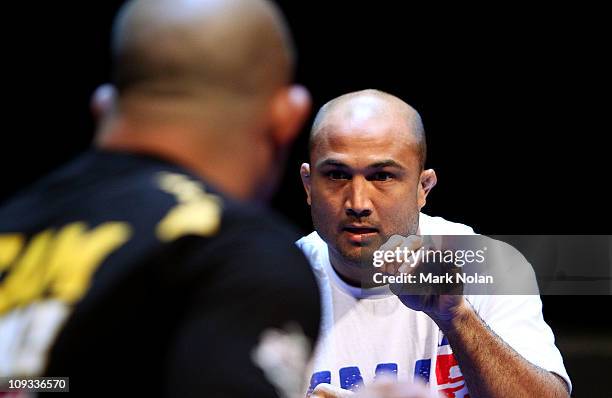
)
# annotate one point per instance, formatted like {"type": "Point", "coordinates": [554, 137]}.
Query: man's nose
{"type": "Point", "coordinates": [357, 203]}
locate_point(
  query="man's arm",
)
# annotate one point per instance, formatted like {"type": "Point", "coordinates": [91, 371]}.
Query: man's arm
{"type": "Point", "coordinates": [490, 366]}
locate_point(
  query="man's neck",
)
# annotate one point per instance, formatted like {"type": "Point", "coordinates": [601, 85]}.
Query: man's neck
{"type": "Point", "coordinates": [228, 175]}
{"type": "Point", "coordinates": [356, 275]}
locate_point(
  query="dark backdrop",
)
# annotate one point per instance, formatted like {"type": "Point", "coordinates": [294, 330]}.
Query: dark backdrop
{"type": "Point", "coordinates": [512, 98]}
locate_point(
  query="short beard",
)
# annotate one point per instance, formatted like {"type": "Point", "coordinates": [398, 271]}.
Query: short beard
{"type": "Point", "coordinates": [362, 260]}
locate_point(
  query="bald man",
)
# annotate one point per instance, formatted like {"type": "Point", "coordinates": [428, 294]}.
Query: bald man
{"type": "Point", "coordinates": [145, 267]}
{"type": "Point", "coordinates": [365, 183]}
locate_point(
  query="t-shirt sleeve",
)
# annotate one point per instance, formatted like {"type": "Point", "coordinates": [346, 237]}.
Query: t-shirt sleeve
{"type": "Point", "coordinates": [253, 282]}
{"type": "Point", "coordinates": [518, 320]}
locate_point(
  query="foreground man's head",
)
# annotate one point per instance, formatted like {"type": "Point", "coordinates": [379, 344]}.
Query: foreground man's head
{"type": "Point", "coordinates": [198, 81]}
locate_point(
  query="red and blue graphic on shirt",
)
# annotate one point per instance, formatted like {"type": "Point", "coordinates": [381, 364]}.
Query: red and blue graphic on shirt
{"type": "Point", "coordinates": [449, 379]}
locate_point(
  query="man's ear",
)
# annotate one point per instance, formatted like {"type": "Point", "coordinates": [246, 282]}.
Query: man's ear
{"type": "Point", "coordinates": [427, 181]}
{"type": "Point", "coordinates": [290, 108]}
{"type": "Point", "coordinates": [306, 180]}
{"type": "Point", "coordinates": [103, 100]}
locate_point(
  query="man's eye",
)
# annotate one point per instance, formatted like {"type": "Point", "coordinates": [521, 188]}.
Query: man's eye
{"type": "Point", "coordinates": [338, 175]}
{"type": "Point", "coordinates": [381, 176]}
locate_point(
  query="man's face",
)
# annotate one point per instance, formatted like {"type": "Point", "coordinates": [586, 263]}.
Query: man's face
{"type": "Point", "coordinates": [364, 184]}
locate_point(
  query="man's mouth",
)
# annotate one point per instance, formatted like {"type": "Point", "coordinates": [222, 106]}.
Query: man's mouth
{"type": "Point", "coordinates": [358, 233]}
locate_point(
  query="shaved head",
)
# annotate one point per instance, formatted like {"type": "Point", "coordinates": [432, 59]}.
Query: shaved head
{"type": "Point", "coordinates": [206, 84]}
{"type": "Point", "coordinates": [364, 106]}
{"type": "Point", "coordinates": [199, 47]}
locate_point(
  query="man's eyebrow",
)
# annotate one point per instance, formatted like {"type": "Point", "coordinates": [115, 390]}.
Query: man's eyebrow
{"type": "Point", "coordinates": [330, 162]}
{"type": "Point", "coordinates": [385, 163]}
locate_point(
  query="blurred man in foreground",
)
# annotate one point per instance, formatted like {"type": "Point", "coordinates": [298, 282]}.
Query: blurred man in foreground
{"type": "Point", "coordinates": [144, 265]}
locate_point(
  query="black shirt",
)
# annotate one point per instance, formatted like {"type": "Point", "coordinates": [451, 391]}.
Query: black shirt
{"type": "Point", "coordinates": [143, 278]}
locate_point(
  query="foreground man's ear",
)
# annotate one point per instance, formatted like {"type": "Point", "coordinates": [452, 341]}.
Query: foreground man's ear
{"type": "Point", "coordinates": [290, 108]}
{"type": "Point", "coordinates": [103, 101]}
{"type": "Point", "coordinates": [427, 181]}
{"type": "Point", "coordinates": [306, 181]}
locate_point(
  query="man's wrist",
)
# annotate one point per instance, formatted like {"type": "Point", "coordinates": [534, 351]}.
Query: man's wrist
{"type": "Point", "coordinates": [453, 321]}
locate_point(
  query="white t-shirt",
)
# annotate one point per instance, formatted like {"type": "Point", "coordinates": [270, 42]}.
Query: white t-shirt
{"type": "Point", "coordinates": [368, 332]}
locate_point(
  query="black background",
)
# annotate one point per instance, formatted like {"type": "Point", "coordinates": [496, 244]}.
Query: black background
{"type": "Point", "coordinates": [513, 98]}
